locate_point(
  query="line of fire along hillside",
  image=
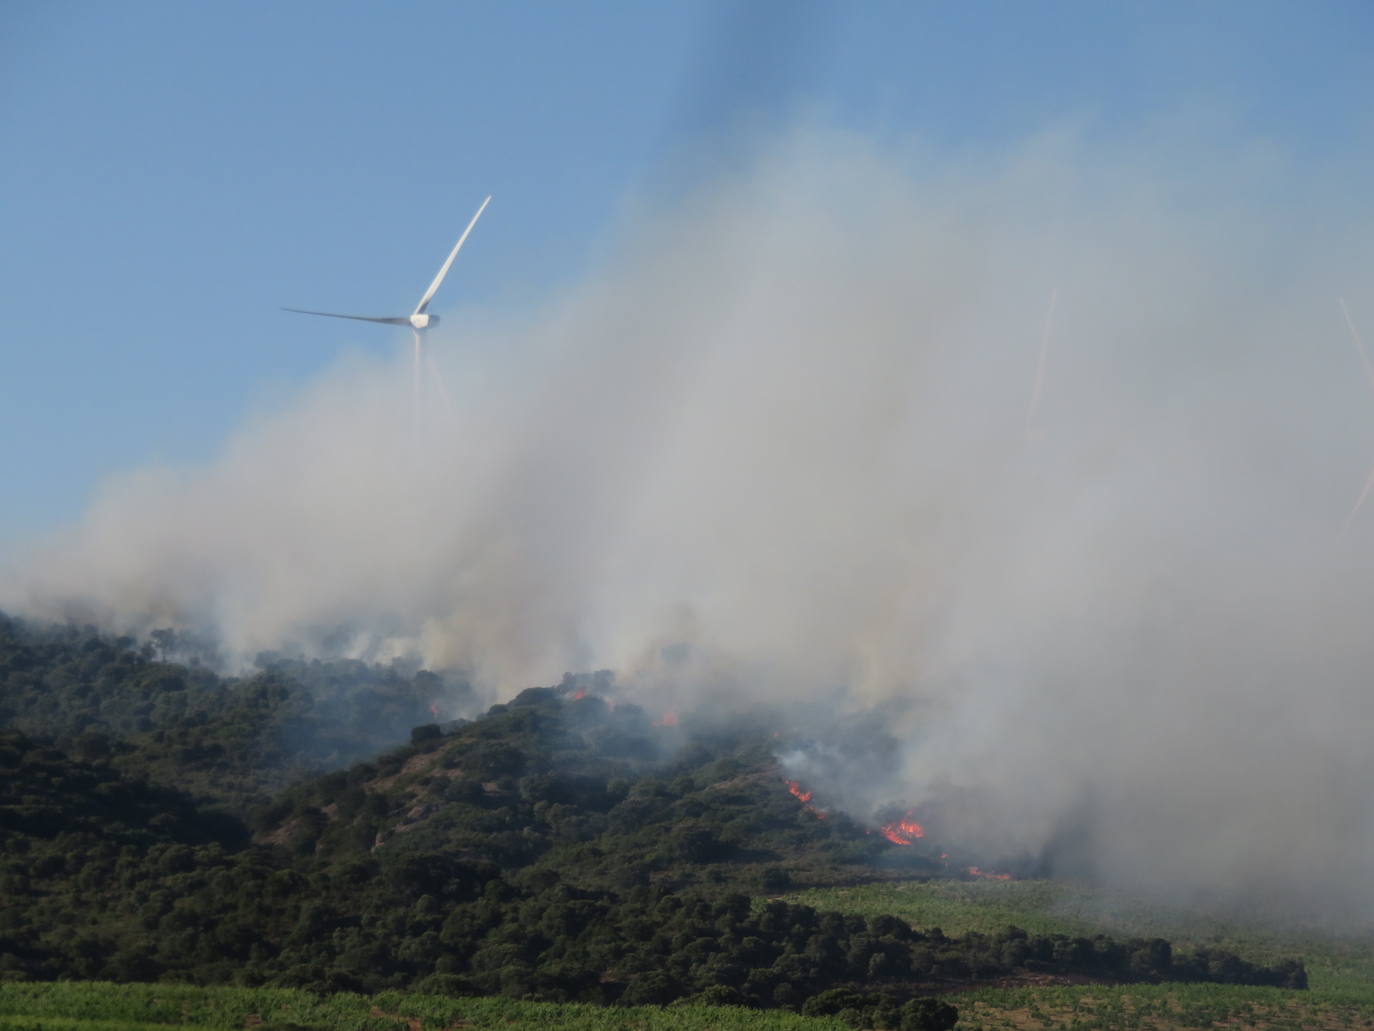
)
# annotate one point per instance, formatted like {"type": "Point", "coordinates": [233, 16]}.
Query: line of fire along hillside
{"type": "Point", "coordinates": [905, 831]}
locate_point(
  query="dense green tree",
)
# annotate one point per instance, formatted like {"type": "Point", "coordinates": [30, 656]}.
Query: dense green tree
{"type": "Point", "coordinates": [928, 1015]}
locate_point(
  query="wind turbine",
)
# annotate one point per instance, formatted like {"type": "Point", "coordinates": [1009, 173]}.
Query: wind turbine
{"type": "Point", "coordinates": [419, 320]}
{"type": "Point", "coordinates": [1369, 373]}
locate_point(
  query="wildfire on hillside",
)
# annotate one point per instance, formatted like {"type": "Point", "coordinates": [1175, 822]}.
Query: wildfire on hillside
{"type": "Point", "coordinates": [804, 797]}
{"type": "Point", "coordinates": [904, 831]}
{"type": "Point", "coordinates": [973, 871]}
{"type": "Point", "coordinates": [669, 720]}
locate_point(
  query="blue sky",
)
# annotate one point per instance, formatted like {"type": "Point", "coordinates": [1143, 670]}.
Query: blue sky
{"type": "Point", "coordinates": [174, 172]}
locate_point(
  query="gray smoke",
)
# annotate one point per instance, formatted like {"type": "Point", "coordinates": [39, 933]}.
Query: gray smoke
{"type": "Point", "coordinates": [779, 448]}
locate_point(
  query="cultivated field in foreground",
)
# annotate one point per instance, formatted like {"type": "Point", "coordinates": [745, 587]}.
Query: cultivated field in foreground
{"type": "Point", "coordinates": [100, 1006]}
{"type": "Point", "coordinates": [1340, 968]}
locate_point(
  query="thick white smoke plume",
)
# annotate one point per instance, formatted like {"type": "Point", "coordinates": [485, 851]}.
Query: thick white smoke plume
{"type": "Point", "coordinates": [779, 447]}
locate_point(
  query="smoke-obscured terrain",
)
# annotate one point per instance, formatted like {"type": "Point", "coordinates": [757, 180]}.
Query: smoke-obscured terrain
{"type": "Point", "coordinates": [1050, 461]}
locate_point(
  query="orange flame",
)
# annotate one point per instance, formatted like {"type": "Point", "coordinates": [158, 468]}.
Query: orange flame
{"type": "Point", "coordinates": [804, 797]}
{"type": "Point", "coordinates": [669, 720]}
{"type": "Point", "coordinates": [975, 872]}
{"type": "Point", "coordinates": [434, 709]}
{"type": "Point", "coordinates": [903, 832]}
{"type": "Point", "coordinates": [579, 694]}
{"type": "Point", "coordinates": [798, 793]}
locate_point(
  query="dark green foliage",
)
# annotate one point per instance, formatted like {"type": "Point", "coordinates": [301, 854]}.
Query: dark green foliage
{"type": "Point", "coordinates": [774, 880]}
{"type": "Point", "coordinates": [234, 739]}
{"type": "Point", "coordinates": [556, 849]}
{"type": "Point", "coordinates": [652, 987]}
{"type": "Point", "coordinates": [928, 1015]}
{"type": "Point", "coordinates": [830, 1002]}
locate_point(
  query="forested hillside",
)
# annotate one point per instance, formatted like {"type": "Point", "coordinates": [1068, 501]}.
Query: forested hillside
{"type": "Point", "coordinates": [558, 847]}
{"type": "Point", "coordinates": [236, 739]}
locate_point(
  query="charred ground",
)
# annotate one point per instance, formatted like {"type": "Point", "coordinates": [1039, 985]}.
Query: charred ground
{"type": "Point", "coordinates": [159, 821]}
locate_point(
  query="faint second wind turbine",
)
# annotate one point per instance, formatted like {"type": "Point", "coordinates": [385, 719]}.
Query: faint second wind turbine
{"type": "Point", "coordinates": [1038, 384]}
{"type": "Point", "coordinates": [419, 320]}
{"type": "Point", "coordinates": [1369, 373]}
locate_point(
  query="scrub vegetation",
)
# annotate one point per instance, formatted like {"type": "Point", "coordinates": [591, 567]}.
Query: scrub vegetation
{"type": "Point", "coordinates": [160, 823]}
{"type": "Point", "coordinates": [1340, 967]}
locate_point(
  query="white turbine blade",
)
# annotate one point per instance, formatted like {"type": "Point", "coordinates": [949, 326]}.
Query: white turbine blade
{"type": "Point", "coordinates": [397, 321]}
{"type": "Point", "coordinates": [1359, 503]}
{"type": "Point", "coordinates": [1359, 343]}
{"type": "Point", "coordinates": [434, 286]}
{"type": "Point", "coordinates": [1038, 385]}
